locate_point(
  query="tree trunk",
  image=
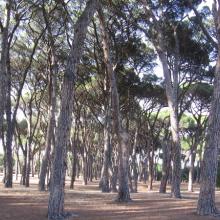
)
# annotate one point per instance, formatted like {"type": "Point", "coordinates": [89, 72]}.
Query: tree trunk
{"type": "Point", "coordinates": [51, 122]}
{"type": "Point", "coordinates": [176, 149]}
{"type": "Point", "coordinates": [134, 162]}
{"type": "Point", "coordinates": [24, 168]}
{"type": "Point", "coordinates": [9, 136]}
{"type": "Point", "coordinates": [56, 197]}
{"type": "Point", "coordinates": [123, 189]}
{"type": "Point", "coordinates": [74, 164]}
{"type": "Point", "coordinates": [32, 166]}
{"type": "Point", "coordinates": [104, 181]}
{"type": "Point", "coordinates": [122, 136]}
{"type": "Point", "coordinates": [206, 201]}
{"type": "Point", "coordinates": [165, 166]}
{"type": "Point", "coordinates": [52, 105]}
{"type": "Point", "coordinates": [85, 167]}
{"type": "Point", "coordinates": [28, 166]}
{"type": "Point", "coordinates": [191, 170]}
{"type": "Point", "coordinates": [5, 86]}
{"type": "Point", "coordinates": [151, 169]}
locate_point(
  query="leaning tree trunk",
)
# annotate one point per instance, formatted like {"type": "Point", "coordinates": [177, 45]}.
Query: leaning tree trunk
{"type": "Point", "coordinates": [174, 123]}
{"type": "Point", "coordinates": [56, 198]}
{"type": "Point", "coordinates": [52, 105]}
{"type": "Point", "coordinates": [51, 123]}
{"type": "Point", "coordinates": [122, 136]}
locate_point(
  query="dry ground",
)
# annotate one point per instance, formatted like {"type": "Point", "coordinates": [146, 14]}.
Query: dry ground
{"type": "Point", "coordinates": [88, 203]}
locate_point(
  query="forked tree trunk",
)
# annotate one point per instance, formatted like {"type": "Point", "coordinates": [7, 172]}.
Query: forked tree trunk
{"type": "Point", "coordinates": [56, 197]}
{"type": "Point", "coordinates": [122, 136]}
{"type": "Point", "coordinates": [174, 123]}
{"type": "Point", "coordinates": [171, 94]}
{"type": "Point", "coordinates": [52, 105]}
{"type": "Point", "coordinates": [51, 122]}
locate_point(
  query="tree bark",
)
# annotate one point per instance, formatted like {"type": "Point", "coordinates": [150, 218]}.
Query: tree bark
{"type": "Point", "coordinates": [122, 136]}
{"type": "Point", "coordinates": [105, 176]}
{"type": "Point", "coordinates": [134, 162]}
{"type": "Point", "coordinates": [171, 94]}
{"type": "Point", "coordinates": [56, 198]}
{"type": "Point", "coordinates": [4, 87]}
{"type": "Point", "coordinates": [9, 131]}
{"type": "Point", "coordinates": [206, 202]}
{"type": "Point", "coordinates": [74, 161]}
{"type": "Point", "coordinates": [165, 166]}
{"type": "Point", "coordinates": [174, 123]}
{"type": "Point", "coordinates": [52, 105]}
{"type": "Point", "coordinates": [51, 122]}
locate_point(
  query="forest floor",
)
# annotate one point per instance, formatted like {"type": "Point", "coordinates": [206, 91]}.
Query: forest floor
{"type": "Point", "coordinates": [88, 203]}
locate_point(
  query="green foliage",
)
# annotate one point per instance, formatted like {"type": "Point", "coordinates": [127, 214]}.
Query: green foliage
{"type": "Point", "coordinates": [1, 160]}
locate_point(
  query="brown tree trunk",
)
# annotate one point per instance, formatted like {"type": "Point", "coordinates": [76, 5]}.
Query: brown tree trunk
{"type": "Point", "coordinates": [56, 197]}
{"type": "Point", "coordinates": [206, 202]}
{"type": "Point", "coordinates": [171, 94]}
{"type": "Point", "coordinates": [191, 170]}
{"type": "Point", "coordinates": [165, 166]}
{"type": "Point", "coordinates": [5, 99]}
{"type": "Point", "coordinates": [51, 122]}
{"type": "Point", "coordinates": [122, 136]}
{"type": "Point", "coordinates": [74, 146]}
{"type": "Point", "coordinates": [174, 123]}
{"type": "Point", "coordinates": [52, 105]}
{"type": "Point", "coordinates": [9, 133]}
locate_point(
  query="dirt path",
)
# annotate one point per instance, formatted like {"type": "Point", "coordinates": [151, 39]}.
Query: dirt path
{"type": "Point", "coordinates": [88, 203]}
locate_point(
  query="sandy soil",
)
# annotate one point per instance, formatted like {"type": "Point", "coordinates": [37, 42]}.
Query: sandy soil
{"type": "Point", "coordinates": [88, 203]}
